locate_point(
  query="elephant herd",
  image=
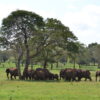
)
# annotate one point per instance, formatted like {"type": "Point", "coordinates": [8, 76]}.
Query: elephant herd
{"type": "Point", "coordinates": [75, 74]}
{"type": "Point", "coordinates": [68, 74]}
{"type": "Point", "coordinates": [38, 74]}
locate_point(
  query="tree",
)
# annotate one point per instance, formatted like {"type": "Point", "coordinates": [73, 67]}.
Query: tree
{"type": "Point", "coordinates": [55, 38]}
{"type": "Point", "coordinates": [97, 54]}
{"type": "Point", "coordinates": [92, 51]}
{"type": "Point", "coordinates": [83, 57]}
{"type": "Point", "coordinates": [73, 48]}
{"type": "Point", "coordinates": [21, 25]}
{"type": "Point", "coordinates": [4, 55]}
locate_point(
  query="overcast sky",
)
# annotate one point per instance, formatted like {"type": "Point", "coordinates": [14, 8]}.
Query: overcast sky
{"type": "Point", "coordinates": [81, 16]}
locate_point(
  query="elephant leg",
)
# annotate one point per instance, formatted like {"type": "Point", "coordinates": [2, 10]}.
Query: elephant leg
{"type": "Point", "coordinates": [15, 77]}
{"type": "Point", "coordinates": [96, 78]}
{"type": "Point", "coordinates": [30, 77]}
{"type": "Point", "coordinates": [8, 75]}
{"type": "Point", "coordinates": [60, 77]}
{"type": "Point", "coordinates": [79, 79]}
{"type": "Point", "coordinates": [11, 77]}
{"type": "Point", "coordinates": [26, 77]}
{"type": "Point", "coordinates": [90, 79]}
{"type": "Point", "coordinates": [85, 79]}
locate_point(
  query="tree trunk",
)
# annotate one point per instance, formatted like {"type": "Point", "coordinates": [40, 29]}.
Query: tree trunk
{"type": "Point", "coordinates": [51, 66]}
{"type": "Point", "coordinates": [27, 62]}
{"type": "Point", "coordinates": [74, 63]}
{"type": "Point", "coordinates": [27, 58]}
{"type": "Point", "coordinates": [57, 64]}
{"type": "Point", "coordinates": [94, 62]}
{"type": "Point", "coordinates": [32, 65]}
{"type": "Point", "coordinates": [18, 62]}
{"type": "Point", "coordinates": [45, 64]}
{"type": "Point", "coordinates": [79, 66]}
{"type": "Point", "coordinates": [18, 67]}
{"type": "Point", "coordinates": [22, 63]}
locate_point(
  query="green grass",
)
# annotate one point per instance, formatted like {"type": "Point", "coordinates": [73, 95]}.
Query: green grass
{"type": "Point", "coordinates": [48, 90]}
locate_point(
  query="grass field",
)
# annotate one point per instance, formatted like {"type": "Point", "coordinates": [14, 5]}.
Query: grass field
{"type": "Point", "coordinates": [48, 90]}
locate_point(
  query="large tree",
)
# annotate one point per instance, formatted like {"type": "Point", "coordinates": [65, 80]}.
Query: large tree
{"type": "Point", "coordinates": [21, 25]}
{"type": "Point", "coordinates": [55, 39]}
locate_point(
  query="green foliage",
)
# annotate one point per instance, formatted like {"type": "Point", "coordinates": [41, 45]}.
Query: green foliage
{"type": "Point", "coordinates": [53, 42]}
{"type": "Point", "coordinates": [92, 45]}
{"type": "Point", "coordinates": [97, 53]}
{"type": "Point", "coordinates": [30, 37]}
{"type": "Point", "coordinates": [18, 23]}
{"type": "Point", "coordinates": [73, 47]}
{"type": "Point", "coordinates": [83, 57]}
{"type": "Point", "coordinates": [4, 55]}
{"type": "Point", "coordinates": [18, 28]}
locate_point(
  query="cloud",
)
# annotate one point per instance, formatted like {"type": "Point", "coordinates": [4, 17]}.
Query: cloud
{"type": "Point", "coordinates": [84, 23]}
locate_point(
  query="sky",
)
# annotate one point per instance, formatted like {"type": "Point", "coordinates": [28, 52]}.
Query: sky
{"type": "Point", "coordinates": [81, 16]}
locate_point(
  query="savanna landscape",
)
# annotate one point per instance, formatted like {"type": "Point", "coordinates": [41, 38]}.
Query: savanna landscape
{"type": "Point", "coordinates": [42, 59]}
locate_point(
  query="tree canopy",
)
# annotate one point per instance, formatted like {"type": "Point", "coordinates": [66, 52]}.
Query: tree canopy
{"type": "Point", "coordinates": [30, 36]}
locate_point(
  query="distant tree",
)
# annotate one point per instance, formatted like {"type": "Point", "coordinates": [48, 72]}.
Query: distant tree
{"type": "Point", "coordinates": [4, 55]}
{"type": "Point", "coordinates": [97, 54]}
{"type": "Point", "coordinates": [92, 51]}
{"type": "Point", "coordinates": [83, 57]}
{"type": "Point", "coordinates": [73, 50]}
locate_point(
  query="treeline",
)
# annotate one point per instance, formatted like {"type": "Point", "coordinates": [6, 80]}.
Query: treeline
{"type": "Point", "coordinates": [29, 38]}
{"type": "Point", "coordinates": [86, 56]}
